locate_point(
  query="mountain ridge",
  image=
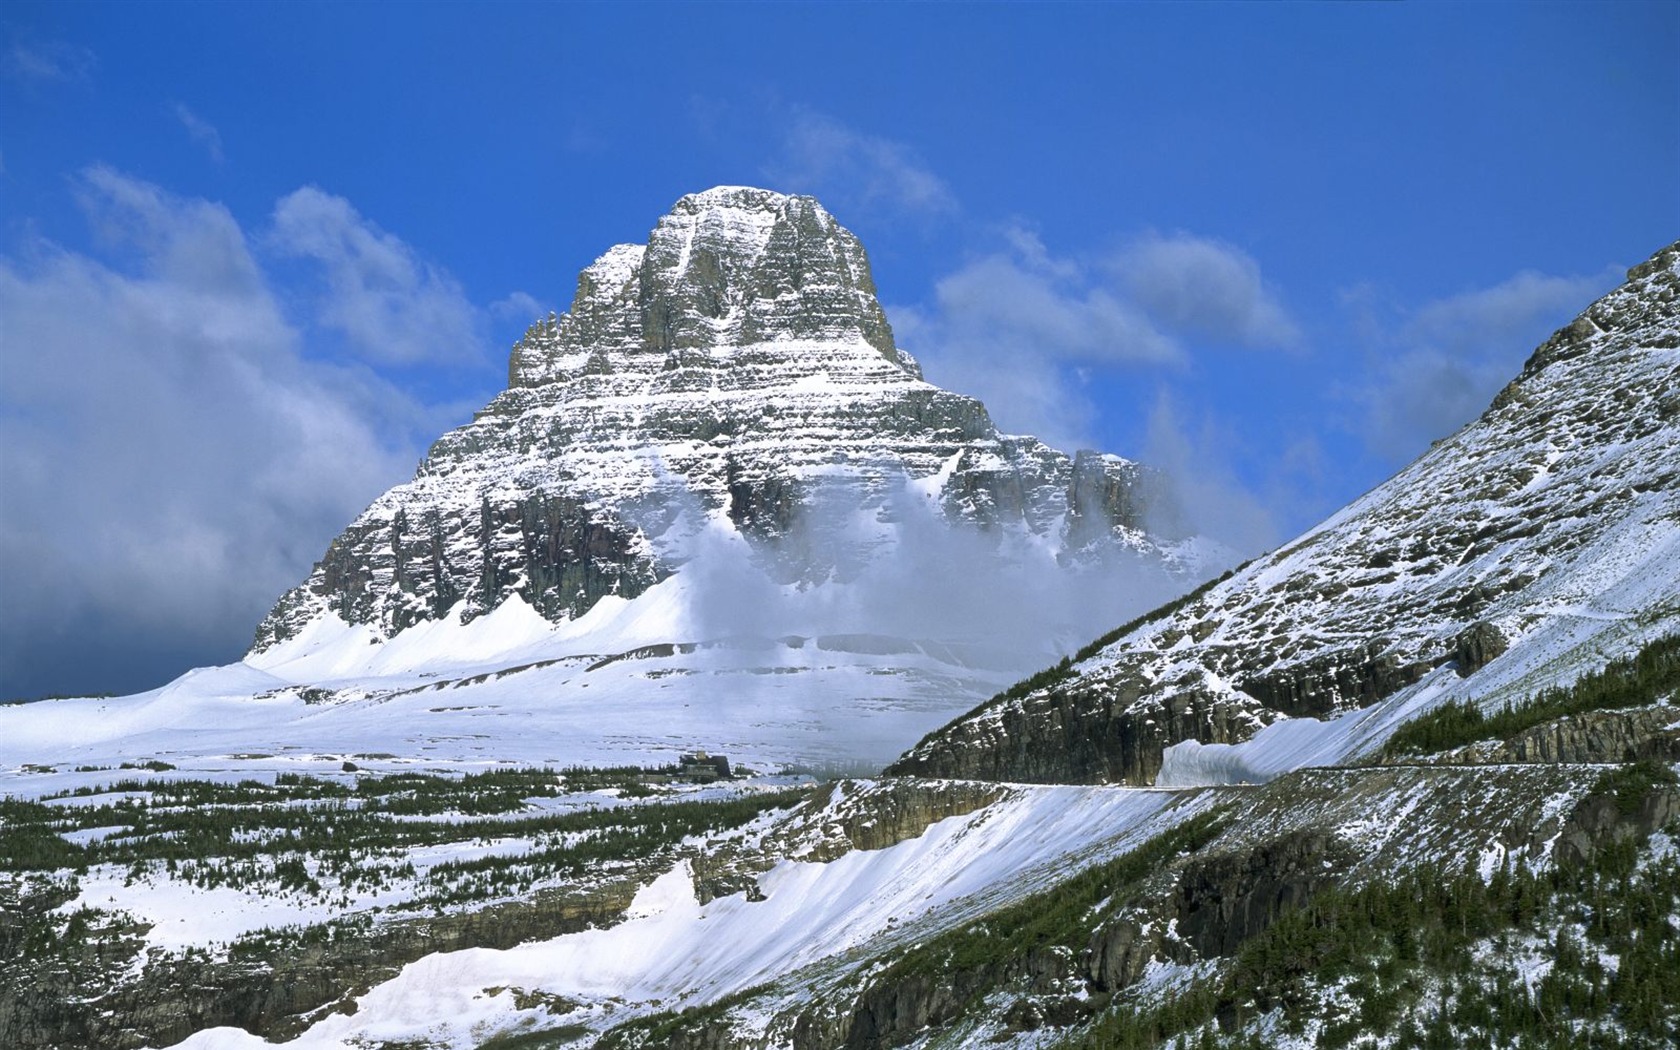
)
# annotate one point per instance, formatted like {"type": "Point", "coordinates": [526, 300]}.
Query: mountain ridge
{"type": "Point", "coordinates": [334, 819]}
{"type": "Point", "coordinates": [1559, 498]}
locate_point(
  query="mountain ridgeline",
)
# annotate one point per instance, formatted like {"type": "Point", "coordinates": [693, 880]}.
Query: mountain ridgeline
{"type": "Point", "coordinates": [1416, 770]}
{"type": "Point", "coordinates": [737, 364]}
{"type": "Point", "coordinates": [1542, 537]}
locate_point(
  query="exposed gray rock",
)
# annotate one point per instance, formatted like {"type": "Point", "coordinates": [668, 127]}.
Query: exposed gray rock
{"type": "Point", "coordinates": [1225, 899]}
{"type": "Point", "coordinates": [1592, 737]}
{"type": "Point", "coordinates": [1479, 645]}
{"type": "Point", "coordinates": [867, 815]}
{"type": "Point", "coordinates": [1499, 536]}
{"type": "Point", "coordinates": [1601, 820]}
{"type": "Point", "coordinates": [737, 362]}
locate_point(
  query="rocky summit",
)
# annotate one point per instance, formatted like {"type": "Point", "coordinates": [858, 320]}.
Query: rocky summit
{"type": "Point", "coordinates": [1538, 541]}
{"type": "Point", "coordinates": [738, 368]}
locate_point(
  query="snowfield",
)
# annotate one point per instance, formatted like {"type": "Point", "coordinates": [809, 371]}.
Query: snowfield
{"type": "Point", "coordinates": [673, 952]}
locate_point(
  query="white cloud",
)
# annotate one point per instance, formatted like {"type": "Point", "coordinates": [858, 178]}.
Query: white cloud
{"type": "Point", "coordinates": [200, 131]}
{"type": "Point", "coordinates": [1025, 310]}
{"type": "Point", "coordinates": [1013, 329]}
{"type": "Point", "coordinates": [1204, 287]}
{"type": "Point", "coordinates": [1479, 321]}
{"type": "Point", "coordinates": [1441, 363]}
{"type": "Point", "coordinates": [47, 62]}
{"type": "Point", "coordinates": [1023, 329]}
{"type": "Point", "coordinates": [392, 305]}
{"type": "Point", "coordinates": [170, 459]}
{"type": "Point", "coordinates": [853, 170]}
{"type": "Point", "coordinates": [520, 307]}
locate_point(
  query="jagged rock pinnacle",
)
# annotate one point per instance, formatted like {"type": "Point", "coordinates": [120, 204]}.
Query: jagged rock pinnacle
{"type": "Point", "coordinates": [727, 268]}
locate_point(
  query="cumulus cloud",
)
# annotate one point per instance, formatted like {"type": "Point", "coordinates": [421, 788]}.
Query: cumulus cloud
{"type": "Point", "coordinates": [171, 459]}
{"type": "Point", "coordinates": [1015, 327]}
{"type": "Point", "coordinates": [393, 306]}
{"type": "Point", "coordinates": [200, 131]}
{"type": "Point", "coordinates": [854, 170]}
{"type": "Point", "coordinates": [1440, 364]}
{"type": "Point", "coordinates": [1204, 287]}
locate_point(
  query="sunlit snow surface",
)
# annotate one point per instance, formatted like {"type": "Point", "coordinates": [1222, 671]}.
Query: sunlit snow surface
{"type": "Point", "coordinates": [625, 684]}
{"type": "Point", "coordinates": [1623, 591]}
{"type": "Point", "coordinates": [1553, 520]}
{"type": "Point", "coordinates": [673, 951]}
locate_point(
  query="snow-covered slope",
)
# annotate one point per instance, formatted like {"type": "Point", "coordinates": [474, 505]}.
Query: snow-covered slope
{"type": "Point", "coordinates": [716, 507]}
{"type": "Point", "coordinates": [672, 951]}
{"type": "Point", "coordinates": [1531, 546]}
{"type": "Point", "coordinates": [611, 688]}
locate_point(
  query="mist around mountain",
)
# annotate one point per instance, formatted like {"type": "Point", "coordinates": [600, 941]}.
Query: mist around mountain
{"type": "Point", "coordinates": [717, 496]}
{"type": "Point", "coordinates": [1407, 781]}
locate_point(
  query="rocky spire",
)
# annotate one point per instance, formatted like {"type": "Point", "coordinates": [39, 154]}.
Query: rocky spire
{"type": "Point", "coordinates": [724, 269]}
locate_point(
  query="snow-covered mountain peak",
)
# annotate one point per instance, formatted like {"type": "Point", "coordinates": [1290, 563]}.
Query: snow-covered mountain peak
{"type": "Point", "coordinates": [726, 269]}
{"type": "Point", "coordinates": [735, 370]}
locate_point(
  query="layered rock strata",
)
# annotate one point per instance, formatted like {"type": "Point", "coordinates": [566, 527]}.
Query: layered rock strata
{"type": "Point", "coordinates": [1550, 522]}
{"type": "Point", "coordinates": [737, 366]}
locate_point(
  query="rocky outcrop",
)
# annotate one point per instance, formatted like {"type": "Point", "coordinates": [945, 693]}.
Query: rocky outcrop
{"type": "Point", "coordinates": [1331, 682]}
{"type": "Point", "coordinates": [1477, 646]}
{"type": "Point", "coordinates": [893, 1013]}
{"type": "Point", "coordinates": [1122, 949]}
{"type": "Point", "coordinates": [1623, 810]}
{"type": "Point", "coordinates": [1592, 737]}
{"type": "Point", "coordinates": [1213, 902]}
{"type": "Point", "coordinates": [737, 367]}
{"type": "Point", "coordinates": [275, 992]}
{"type": "Point", "coordinates": [1104, 489]}
{"type": "Point", "coordinates": [1225, 899]}
{"type": "Point", "coordinates": [1072, 735]}
{"type": "Point", "coordinates": [868, 815]}
{"type": "Point", "coordinates": [1510, 533]}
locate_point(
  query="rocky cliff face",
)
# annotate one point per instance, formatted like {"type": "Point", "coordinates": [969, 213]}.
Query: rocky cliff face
{"type": "Point", "coordinates": [1524, 547]}
{"type": "Point", "coordinates": [737, 366]}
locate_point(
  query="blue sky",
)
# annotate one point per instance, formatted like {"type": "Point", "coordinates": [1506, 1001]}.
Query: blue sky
{"type": "Point", "coordinates": [253, 258]}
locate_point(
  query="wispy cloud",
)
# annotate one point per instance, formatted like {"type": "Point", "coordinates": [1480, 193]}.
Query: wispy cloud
{"type": "Point", "coordinates": [1205, 287]}
{"type": "Point", "coordinates": [200, 131]}
{"type": "Point", "coordinates": [42, 62]}
{"type": "Point", "coordinates": [1440, 364]}
{"type": "Point", "coordinates": [392, 305]}
{"type": "Point", "coordinates": [855, 170]}
{"type": "Point", "coordinates": [1023, 328]}
{"type": "Point", "coordinates": [1197, 457]}
{"type": "Point", "coordinates": [519, 306]}
{"type": "Point", "coordinates": [167, 476]}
